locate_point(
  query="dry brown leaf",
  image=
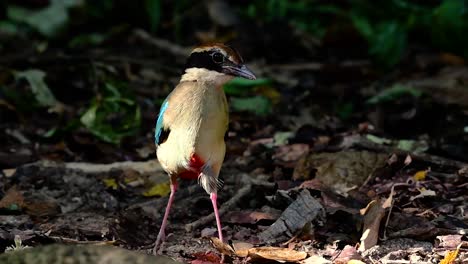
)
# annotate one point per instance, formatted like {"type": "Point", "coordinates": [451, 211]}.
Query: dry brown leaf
{"type": "Point", "coordinates": [222, 247]}
{"type": "Point", "coordinates": [341, 171]}
{"type": "Point", "coordinates": [449, 241]}
{"type": "Point", "coordinates": [276, 253]}
{"type": "Point", "coordinates": [241, 248]}
{"type": "Point", "coordinates": [13, 198]}
{"type": "Point", "coordinates": [373, 214]}
{"type": "Point", "coordinates": [316, 260]}
{"type": "Point", "coordinates": [249, 217]}
{"type": "Point", "coordinates": [347, 254]}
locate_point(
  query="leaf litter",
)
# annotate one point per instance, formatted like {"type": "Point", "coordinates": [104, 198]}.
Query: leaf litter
{"type": "Point", "coordinates": [297, 194]}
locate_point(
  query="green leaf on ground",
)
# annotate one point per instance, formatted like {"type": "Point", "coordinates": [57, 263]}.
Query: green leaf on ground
{"type": "Point", "coordinates": [112, 115]}
{"type": "Point", "coordinates": [41, 91]}
{"type": "Point", "coordinates": [394, 92]}
{"type": "Point", "coordinates": [48, 21]}
{"type": "Point", "coordinates": [241, 86]}
{"type": "Point", "coordinates": [258, 105]}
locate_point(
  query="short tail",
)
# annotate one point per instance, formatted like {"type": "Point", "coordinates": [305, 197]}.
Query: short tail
{"type": "Point", "coordinates": [209, 180]}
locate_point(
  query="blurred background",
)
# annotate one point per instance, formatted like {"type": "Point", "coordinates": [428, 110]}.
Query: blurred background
{"type": "Point", "coordinates": [83, 80]}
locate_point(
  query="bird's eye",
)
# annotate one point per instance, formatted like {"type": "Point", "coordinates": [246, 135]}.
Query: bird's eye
{"type": "Point", "coordinates": [218, 57]}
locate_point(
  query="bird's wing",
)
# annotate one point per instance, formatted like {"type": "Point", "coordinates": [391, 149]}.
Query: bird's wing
{"type": "Point", "coordinates": [161, 132]}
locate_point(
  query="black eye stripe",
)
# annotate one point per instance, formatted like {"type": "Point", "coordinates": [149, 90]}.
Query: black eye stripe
{"type": "Point", "coordinates": [218, 57]}
{"type": "Point", "coordinates": [204, 60]}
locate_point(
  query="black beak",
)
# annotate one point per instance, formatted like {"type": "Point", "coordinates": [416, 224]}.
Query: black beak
{"type": "Point", "coordinates": [239, 70]}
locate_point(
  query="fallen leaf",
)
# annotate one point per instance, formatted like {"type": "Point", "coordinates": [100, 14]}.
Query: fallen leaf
{"type": "Point", "coordinates": [276, 253]}
{"type": "Point", "coordinates": [449, 241]}
{"type": "Point", "coordinates": [249, 217]}
{"type": "Point", "coordinates": [41, 91]}
{"type": "Point", "coordinates": [160, 189]}
{"type": "Point", "coordinates": [373, 214]}
{"type": "Point", "coordinates": [451, 256]}
{"type": "Point", "coordinates": [205, 258]}
{"type": "Point", "coordinates": [316, 260]}
{"type": "Point", "coordinates": [355, 261]}
{"type": "Point", "coordinates": [291, 153]}
{"type": "Point", "coordinates": [13, 199]}
{"type": "Point", "coordinates": [341, 171]}
{"type": "Point", "coordinates": [110, 183]}
{"type": "Point", "coordinates": [420, 175]}
{"type": "Point", "coordinates": [222, 247]}
{"type": "Point", "coordinates": [347, 254]}
{"type": "Point", "coordinates": [241, 248]}
{"type": "Point", "coordinates": [9, 172]}
{"type": "Point", "coordinates": [423, 193]}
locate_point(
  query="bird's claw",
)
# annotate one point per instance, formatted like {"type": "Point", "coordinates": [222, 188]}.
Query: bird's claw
{"type": "Point", "coordinates": [161, 238]}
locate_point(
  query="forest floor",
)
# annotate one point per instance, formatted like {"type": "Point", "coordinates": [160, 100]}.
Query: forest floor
{"type": "Point", "coordinates": [327, 160]}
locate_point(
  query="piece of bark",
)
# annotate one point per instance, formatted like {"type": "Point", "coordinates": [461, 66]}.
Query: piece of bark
{"type": "Point", "coordinates": [303, 210]}
{"type": "Point", "coordinates": [90, 254]}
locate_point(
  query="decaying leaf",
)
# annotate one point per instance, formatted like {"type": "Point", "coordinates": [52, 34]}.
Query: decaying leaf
{"type": "Point", "coordinates": [276, 253]}
{"type": "Point", "coordinates": [250, 217]}
{"type": "Point", "coordinates": [13, 199]}
{"type": "Point", "coordinates": [205, 258]}
{"type": "Point", "coordinates": [349, 253]}
{"type": "Point", "coordinates": [420, 175]}
{"type": "Point", "coordinates": [159, 189]}
{"type": "Point", "coordinates": [423, 193]}
{"type": "Point", "coordinates": [373, 214]}
{"type": "Point", "coordinates": [316, 260]}
{"type": "Point", "coordinates": [342, 171]}
{"type": "Point", "coordinates": [449, 241]}
{"type": "Point", "coordinates": [222, 247]}
{"type": "Point", "coordinates": [451, 256]}
{"type": "Point", "coordinates": [241, 248]}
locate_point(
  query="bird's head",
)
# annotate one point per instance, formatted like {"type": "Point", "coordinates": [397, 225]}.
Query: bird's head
{"type": "Point", "coordinates": [217, 63]}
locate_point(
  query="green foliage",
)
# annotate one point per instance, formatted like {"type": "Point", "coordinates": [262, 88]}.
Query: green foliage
{"type": "Point", "coordinates": [112, 115]}
{"type": "Point", "coordinates": [385, 25]}
{"type": "Point", "coordinates": [29, 91]}
{"type": "Point", "coordinates": [48, 21]}
{"type": "Point", "coordinates": [258, 105]}
{"type": "Point", "coordinates": [241, 86]}
{"type": "Point", "coordinates": [393, 93]}
{"type": "Point", "coordinates": [153, 9]}
{"type": "Point", "coordinates": [41, 91]}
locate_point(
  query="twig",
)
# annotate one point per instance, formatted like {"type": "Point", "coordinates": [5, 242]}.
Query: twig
{"type": "Point", "coordinates": [163, 44]}
{"type": "Point", "coordinates": [244, 191]}
{"type": "Point", "coordinates": [66, 240]}
{"type": "Point", "coordinates": [142, 167]}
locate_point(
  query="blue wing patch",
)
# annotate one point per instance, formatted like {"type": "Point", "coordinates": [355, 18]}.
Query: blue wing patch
{"type": "Point", "coordinates": [161, 134]}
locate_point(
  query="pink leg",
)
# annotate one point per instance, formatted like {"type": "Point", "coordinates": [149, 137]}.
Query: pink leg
{"type": "Point", "coordinates": [214, 197]}
{"type": "Point", "coordinates": [162, 235]}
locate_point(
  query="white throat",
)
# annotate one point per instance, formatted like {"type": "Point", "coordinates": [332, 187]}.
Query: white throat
{"type": "Point", "coordinates": [204, 75]}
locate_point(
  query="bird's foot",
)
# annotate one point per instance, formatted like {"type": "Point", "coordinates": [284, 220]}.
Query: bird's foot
{"type": "Point", "coordinates": [159, 240]}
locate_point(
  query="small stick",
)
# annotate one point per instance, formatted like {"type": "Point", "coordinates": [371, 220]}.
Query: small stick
{"type": "Point", "coordinates": [244, 191]}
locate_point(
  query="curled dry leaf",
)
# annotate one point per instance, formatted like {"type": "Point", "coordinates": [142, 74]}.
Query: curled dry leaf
{"type": "Point", "coordinates": [250, 217]}
{"type": "Point", "coordinates": [316, 259]}
{"type": "Point", "coordinates": [276, 253]}
{"type": "Point", "coordinates": [241, 248]}
{"type": "Point", "coordinates": [222, 247]}
{"type": "Point", "coordinates": [373, 214]}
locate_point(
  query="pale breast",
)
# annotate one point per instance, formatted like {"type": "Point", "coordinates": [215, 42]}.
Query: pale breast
{"type": "Point", "coordinates": [199, 118]}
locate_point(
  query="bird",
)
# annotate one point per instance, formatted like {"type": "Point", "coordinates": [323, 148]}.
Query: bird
{"type": "Point", "coordinates": [193, 120]}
